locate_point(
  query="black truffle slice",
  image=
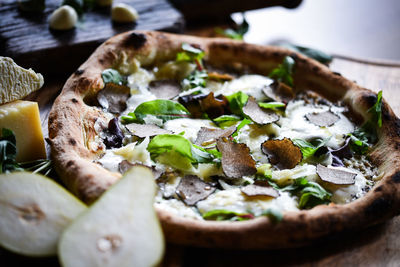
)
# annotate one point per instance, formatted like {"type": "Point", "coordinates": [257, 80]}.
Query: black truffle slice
{"type": "Point", "coordinates": [192, 189]}
{"type": "Point", "coordinates": [113, 97]}
{"type": "Point", "coordinates": [236, 159]}
{"type": "Point", "coordinates": [144, 130]}
{"type": "Point", "coordinates": [259, 189]}
{"type": "Point", "coordinates": [215, 106]}
{"type": "Point", "coordinates": [284, 154]}
{"type": "Point", "coordinates": [207, 136]}
{"type": "Point", "coordinates": [165, 89]}
{"type": "Point", "coordinates": [323, 119]}
{"type": "Point", "coordinates": [278, 91]}
{"type": "Point", "coordinates": [257, 114]}
{"type": "Point", "coordinates": [335, 176]}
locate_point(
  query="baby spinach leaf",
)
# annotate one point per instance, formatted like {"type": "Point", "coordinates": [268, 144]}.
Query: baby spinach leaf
{"type": "Point", "coordinates": [191, 54]}
{"type": "Point", "coordinates": [113, 76]}
{"type": "Point", "coordinates": [283, 73]}
{"type": "Point", "coordinates": [225, 121]}
{"type": "Point", "coordinates": [376, 111]}
{"type": "Point", "coordinates": [202, 155]}
{"type": "Point", "coordinates": [237, 101]}
{"type": "Point", "coordinates": [243, 123]}
{"type": "Point", "coordinates": [195, 79]}
{"type": "Point", "coordinates": [359, 142]}
{"type": "Point", "coordinates": [310, 194]}
{"type": "Point", "coordinates": [160, 108]}
{"type": "Point", "coordinates": [226, 215]}
{"type": "Point", "coordinates": [163, 143]}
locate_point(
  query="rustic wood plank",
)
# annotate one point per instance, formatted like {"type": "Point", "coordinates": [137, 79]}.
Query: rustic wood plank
{"type": "Point", "coordinates": [28, 39]}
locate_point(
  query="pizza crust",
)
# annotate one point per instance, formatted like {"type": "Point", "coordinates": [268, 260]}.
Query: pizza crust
{"type": "Point", "coordinates": [71, 127]}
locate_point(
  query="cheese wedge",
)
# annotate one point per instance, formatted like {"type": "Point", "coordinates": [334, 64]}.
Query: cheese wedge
{"type": "Point", "coordinates": [17, 82]}
{"type": "Point", "coordinates": [22, 117]}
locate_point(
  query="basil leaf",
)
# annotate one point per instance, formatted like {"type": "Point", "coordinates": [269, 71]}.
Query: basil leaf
{"type": "Point", "coordinates": [283, 73]}
{"type": "Point", "coordinates": [113, 76]}
{"type": "Point", "coordinates": [195, 79]}
{"type": "Point", "coordinates": [224, 215]}
{"type": "Point", "coordinates": [32, 5]}
{"type": "Point", "coordinates": [236, 34]}
{"type": "Point", "coordinates": [310, 193]}
{"type": "Point", "coordinates": [308, 149]}
{"type": "Point", "coordinates": [237, 101]}
{"type": "Point", "coordinates": [162, 109]}
{"type": "Point", "coordinates": [272, 105]}
{"type": "Point", "coordinates": [273, 214]}
{"type": "Point", "coordinates": [163, 143]}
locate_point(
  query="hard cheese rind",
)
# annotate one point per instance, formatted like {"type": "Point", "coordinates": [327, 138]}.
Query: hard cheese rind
{"type": "Point", "coordinates": [17, 82]}
{"type": "Point", "coordinates": [22, 117]}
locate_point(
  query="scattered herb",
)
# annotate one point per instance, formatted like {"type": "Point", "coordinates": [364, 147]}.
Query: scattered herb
{"type": "Point", "coordinates": [376, 111]}
{"type": "Point", "coordinates": [310, 193]}
{"type": "Point", "coordinates": [237, 101]}
{"type": "Point", "coordinates": [191, 54]}
{"type": "Point", "coordinates": [226, 215]}
{"type": "Point", "coordinates": [243, 123]}
{"type": "Point", "coordinates": [202, 155]}
{"type": "Point", "coordinates": [195, 79]}
{"type": "Point", "coordinates": [8, 153]}
{"type": "Point", "coordinates": [308, 149]}
{"type": "Point", "coordinates": [237, 33]}
{"type": "Point", "coordinates": [225, 121]}
{"type": "Point", "coordinates": [283, 73]}
{"type": "Point", "coordinates": [359, 142]}
{"type": "Point", "coordinates": [113, 76]}
{"type": "Point", "coordinates": [161, 109]}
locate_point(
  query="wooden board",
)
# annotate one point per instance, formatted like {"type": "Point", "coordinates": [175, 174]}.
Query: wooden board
{"type": "Point", "coordinates": [28, 39]}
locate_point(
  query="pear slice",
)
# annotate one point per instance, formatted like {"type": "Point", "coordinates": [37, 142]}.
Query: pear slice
{"type": "Point", "coordinates": [120, 229]}
{"type": "Point", "coordinates": [34, 211]}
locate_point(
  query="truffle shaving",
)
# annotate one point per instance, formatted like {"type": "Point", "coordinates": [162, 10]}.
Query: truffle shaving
{"type": "Point", "coordinates": [164, 89]}
{"type": "Point", "coordinates": [259, 189]}
{"type": "Point", "coordinates": [236, 159]}
{"type": "Point", "coordinates": [113, 97]}
{"type": "Point", "coordinates": [335, 176]}
{"type": "Point", "coordinates": [207, 136]}
{"type": "Point", "coordinates": [257, 114]}
{"type": "Point", "coordinates": [192, 189]}
{"type": "Point", "coordinates": [144, 130]}
{"type": "Point", "coordinates": [323, 119]}
{"type": "Point", "coordinates": [282, 153]}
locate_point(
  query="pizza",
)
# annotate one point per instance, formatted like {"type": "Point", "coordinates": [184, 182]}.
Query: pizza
{"type": "Point", "coordinates": [251, 146]}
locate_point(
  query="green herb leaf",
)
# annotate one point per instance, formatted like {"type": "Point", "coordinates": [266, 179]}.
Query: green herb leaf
{"type": "Point", "coordinates": [236, 34]}
{"type": "Point", "coordinates": [243, 123]}
{"type": "Point", "coordinates": [162, 109]}
{"type": "Point", "coordinates": [195, 79]}
{"type": "Point", "coordinates": [8, 152]}
{"type": "Point", "coordinates": [236, 102]}
{"type": "Point", "coordinates": [226, 215]}
{"type": "Point", "coordinates": [225, 121]}
{"type": "Point", "coordinates": [202, 155]}
{"type": "Point", "coordinates": [113, 76]}
{"type": "Point", "coordinates": [272, 105]}
{"type": "Point", "coordinates": [310, 193]}
{"type": "Point", "coordinates": [308, 149]}
{"type": "Point", "coordinates": [283, 73]}
{"type": "Point", "coordinates": [359, 142]}
{"type": "Point", "coordinates": [163, 143]}
{"type": "Point", "coordinates": [191, 54]}
{"type": "Point", "coordinates": [376, 111]}
{"type": "Point", "coordinates": [32, 5]}
{"type": "Point", "coordinates": [273, 214]}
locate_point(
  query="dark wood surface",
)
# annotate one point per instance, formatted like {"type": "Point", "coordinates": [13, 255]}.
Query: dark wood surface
{"type": "Point", "coordinates": [28, 39]}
